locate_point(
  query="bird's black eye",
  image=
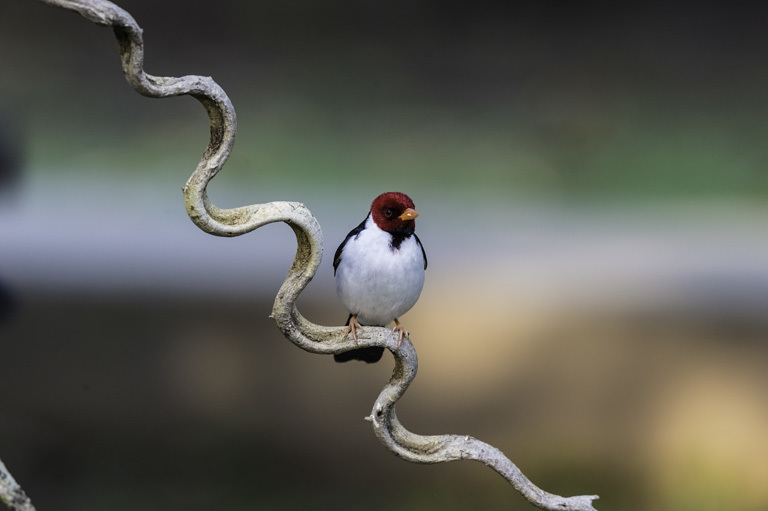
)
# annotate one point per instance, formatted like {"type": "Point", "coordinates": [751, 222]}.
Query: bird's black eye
{"type": "Point", "coordinates": [388, 213]}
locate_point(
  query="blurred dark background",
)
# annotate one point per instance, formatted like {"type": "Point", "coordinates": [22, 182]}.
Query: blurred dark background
{"type": "Point", "coordinates": [592, 179]}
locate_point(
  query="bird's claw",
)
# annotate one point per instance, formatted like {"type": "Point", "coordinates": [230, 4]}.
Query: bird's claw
{"type": "Point", "coordinates": [352, 328]}
{"type": "Point", "coordinates": [401, 331]}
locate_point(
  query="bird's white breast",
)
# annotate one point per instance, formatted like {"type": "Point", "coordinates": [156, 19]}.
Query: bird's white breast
{"type": "Point", "coordinates": [377, 282]}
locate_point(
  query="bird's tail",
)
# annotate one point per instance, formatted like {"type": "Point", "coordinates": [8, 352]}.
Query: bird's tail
{"type": "Point", "coordinates": [370, 354]}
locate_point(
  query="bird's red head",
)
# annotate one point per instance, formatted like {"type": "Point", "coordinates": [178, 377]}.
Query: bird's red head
{"type": "Point", "coordinates": [393, 212]}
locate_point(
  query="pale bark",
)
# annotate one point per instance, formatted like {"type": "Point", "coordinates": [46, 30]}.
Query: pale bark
{"type": "Point", "coordinates": [305, 334]}
{"type": "Point", "coordinates": [11, 493]}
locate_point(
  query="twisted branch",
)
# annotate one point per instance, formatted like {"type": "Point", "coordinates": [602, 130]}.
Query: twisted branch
{"type": "Point", "coordinates": [305, 334]}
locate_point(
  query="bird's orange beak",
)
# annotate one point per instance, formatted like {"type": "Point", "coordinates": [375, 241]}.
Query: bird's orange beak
{"type": "Point", "coordinates": [409, 214]}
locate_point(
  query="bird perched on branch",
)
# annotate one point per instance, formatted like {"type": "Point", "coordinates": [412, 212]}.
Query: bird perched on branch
{"type": "Point", "coordinates": [379, 270]}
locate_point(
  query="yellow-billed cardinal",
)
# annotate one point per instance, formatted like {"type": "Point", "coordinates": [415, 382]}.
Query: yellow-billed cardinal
{"type": "Point", "coordinates": [379, 269]}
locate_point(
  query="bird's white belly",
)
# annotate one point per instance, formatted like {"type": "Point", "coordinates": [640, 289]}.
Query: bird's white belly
{"type": "Point", "coordinates": [377, 282]}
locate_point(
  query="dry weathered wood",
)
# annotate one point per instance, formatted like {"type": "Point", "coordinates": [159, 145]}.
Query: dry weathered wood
{"type": "Point", "coordinates": [11, 493]}
{"type": "Point", "coordinates": [305, 334]}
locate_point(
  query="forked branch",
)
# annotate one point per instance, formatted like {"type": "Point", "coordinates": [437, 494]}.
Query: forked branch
{"type": "Point", "coordinates": [305, 334]}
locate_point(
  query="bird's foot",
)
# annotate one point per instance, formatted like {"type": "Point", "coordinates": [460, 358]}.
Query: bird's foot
{"type": "Point", "coordinates": [352, 328]}
{"type": "Point", "coordinates": [402, 332]}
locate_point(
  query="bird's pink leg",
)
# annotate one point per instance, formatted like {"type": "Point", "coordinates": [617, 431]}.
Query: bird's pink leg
{"type": "Point", "coordinates": [401, 330]}
{"type": "Point", "coordinates": [352, 327]}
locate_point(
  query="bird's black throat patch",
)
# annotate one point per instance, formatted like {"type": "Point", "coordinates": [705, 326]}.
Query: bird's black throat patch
{"type": "Point", "coordinates": [398, 237]}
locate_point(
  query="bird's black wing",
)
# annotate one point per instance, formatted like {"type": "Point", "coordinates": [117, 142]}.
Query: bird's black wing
{"type": "Point", "coordinates": [423, 252]}
{"type": "Point", "coordinates": [354, 232]}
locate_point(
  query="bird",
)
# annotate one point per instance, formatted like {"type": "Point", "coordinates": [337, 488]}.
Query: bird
{"type": "Point", "coordinates": [379, 270]}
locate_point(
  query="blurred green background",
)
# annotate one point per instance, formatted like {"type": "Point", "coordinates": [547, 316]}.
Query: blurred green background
{"type": "Point", "coordinates": [592, 182]}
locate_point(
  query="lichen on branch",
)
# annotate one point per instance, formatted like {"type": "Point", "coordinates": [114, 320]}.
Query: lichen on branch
{"type": "Point", "coordinates": [11, 493]}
